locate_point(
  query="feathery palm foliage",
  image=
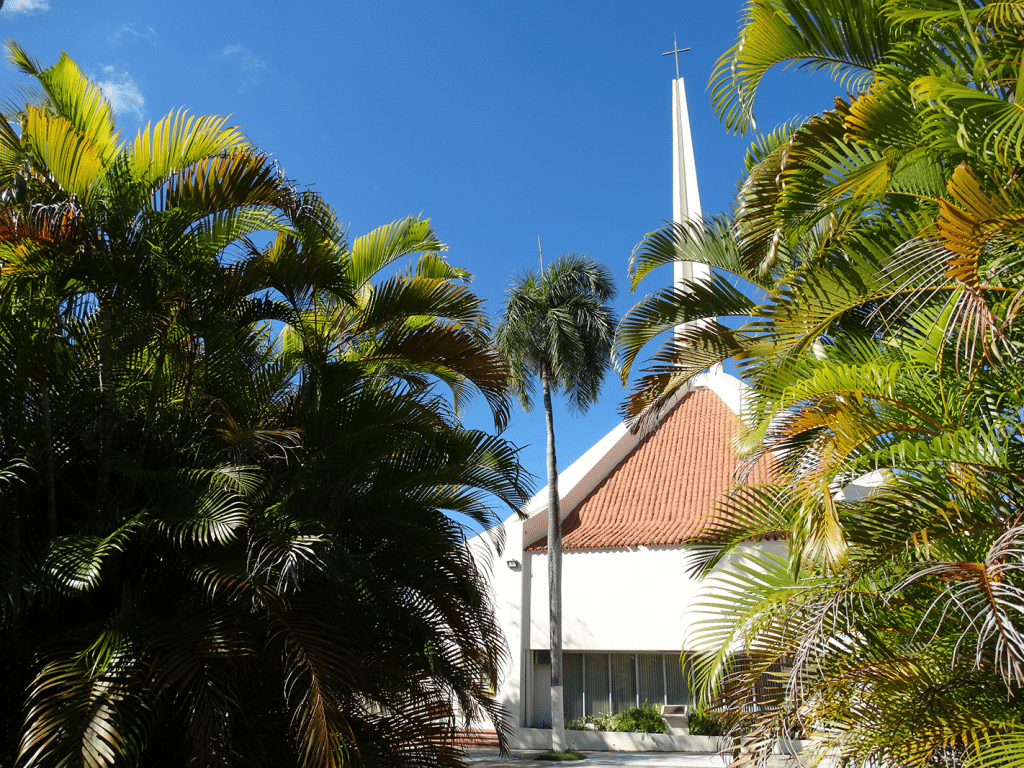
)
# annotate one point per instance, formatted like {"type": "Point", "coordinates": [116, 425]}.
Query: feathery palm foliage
{"type": "Point", "coordinates": [226, 469]}
{"type": "Point", "coordinates": [557, 326]}
{"type": "Point", "coordinates": [882, 349]}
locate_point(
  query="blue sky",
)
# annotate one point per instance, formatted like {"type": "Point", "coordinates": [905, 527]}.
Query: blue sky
{"type": "Point", "coordinates": [502, 122]}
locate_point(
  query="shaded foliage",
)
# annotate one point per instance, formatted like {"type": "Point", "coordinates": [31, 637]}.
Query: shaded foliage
{"type": "Point", "coordinates": [227, 459]}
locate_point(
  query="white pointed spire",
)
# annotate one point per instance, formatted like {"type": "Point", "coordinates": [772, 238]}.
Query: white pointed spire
{"type": "Point", "coordinates": [685, 195]}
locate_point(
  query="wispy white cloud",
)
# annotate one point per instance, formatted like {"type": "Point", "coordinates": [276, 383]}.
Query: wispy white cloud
{"type": "Point", "coordinates": [27, 6]}
{"type": "Point", "coordinates": [250, 63]}
{"type": "Point", "coordinates": [133, 31]}
{"type": "Point", "coordinates": [124, 95]}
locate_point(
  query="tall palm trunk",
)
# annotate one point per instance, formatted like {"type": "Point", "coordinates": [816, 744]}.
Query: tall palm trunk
{"type": "Point", "coordinates": [554, 574]}
{"type": "Point", "coordinates": [557, 325]}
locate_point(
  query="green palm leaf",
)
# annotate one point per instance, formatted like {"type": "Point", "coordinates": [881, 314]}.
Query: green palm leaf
{"type": "Point", "coordinates": [216, 183]}
{"type": "Point", "coordinates": [74, 97]}
{"type": "Point", "coordinates": [179, 140]}
{"type": "Point", "coordinates": [399, 239]}
{"type": "Point", "coordinates": [996, 124]}
{"type": "Point", "coordinates": [84, 715]}
{"type": "Point", "coordinates": [74, 160]}
{"type": "Point", "coordinates": [699, 303]}
{"type": "Point", "coordinates": [76, 562]}
{"type": "Point", "coordinates": [846, 41]}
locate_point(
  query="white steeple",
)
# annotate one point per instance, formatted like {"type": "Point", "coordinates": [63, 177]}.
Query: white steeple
{"type": "Point", "coordinates": [685, 195]}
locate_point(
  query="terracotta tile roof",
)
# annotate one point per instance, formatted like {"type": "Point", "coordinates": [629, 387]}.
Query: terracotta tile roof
{"type": "Point", "coordinates": [662, 491]}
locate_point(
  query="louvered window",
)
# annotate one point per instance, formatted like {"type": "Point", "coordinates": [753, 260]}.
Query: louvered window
{"type": "Point", "coordinates": [572, 685]}
{"type": "Point", "coordinates": [611, 682]}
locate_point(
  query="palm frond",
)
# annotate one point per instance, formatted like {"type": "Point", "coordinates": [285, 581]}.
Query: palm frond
{"type": "Point", "coordinates": [178, 140]}
{"type": "Point", "coordinates": [384, 245]}
{"type": "Point", "coordinates": [847, 42]}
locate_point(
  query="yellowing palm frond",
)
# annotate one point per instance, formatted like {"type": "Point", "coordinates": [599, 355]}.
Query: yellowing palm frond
{"type": "Point", "coordinates": [72, 158]}
{"type": "Point", "coordinates": [74, 97]}
{"type": "Point", "coordinates": [977, 215]}
{"type": "Point", "coordinates": [179, 140]}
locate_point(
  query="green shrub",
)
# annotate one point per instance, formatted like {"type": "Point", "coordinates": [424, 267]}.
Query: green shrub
{"type": "Point", "coordinates": [704, 722]}
{"type": "Point", "coordinates": [569, 754]}
{"type": "Point", "coordinates": [599, 722]}
{"type": "Point", "coordinates": [643, 719]}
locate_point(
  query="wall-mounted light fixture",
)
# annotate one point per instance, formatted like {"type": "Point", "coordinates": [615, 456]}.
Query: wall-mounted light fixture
{"type": "Point", "coordinates": [513, 564]}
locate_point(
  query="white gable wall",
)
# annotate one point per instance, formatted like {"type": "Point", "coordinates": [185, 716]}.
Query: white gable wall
{"type": "Point", "coordinates": [614, 599]}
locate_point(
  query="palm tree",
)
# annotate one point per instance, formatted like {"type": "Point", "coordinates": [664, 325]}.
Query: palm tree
{"type": "Point", "coordinates": [899, 606]}
{"type": "Point", "coordinates": [888, 352]}
{"type": "Point", "coordinates": [226, 470]}
{"type": "Point", "coordinates": [883, 339]}
{"type": "Point", "coordinates": [557, 326]}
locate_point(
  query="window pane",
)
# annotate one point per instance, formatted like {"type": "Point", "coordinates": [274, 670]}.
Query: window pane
{"type": "Point", "coordinates": [541, 717]}
{"type": "Point", "coordinates": [572, 685]}
{"type": "Point", "coordinates": [652, 678]}
{"type": "Point", "coordinates": [677, 690]}
{"type": "Point", "coordinates": [597, 683]}
{"type": "Point", "coordinates": [623, 681]}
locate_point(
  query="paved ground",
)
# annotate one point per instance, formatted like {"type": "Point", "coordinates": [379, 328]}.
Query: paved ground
{"type": "Point", "coordinates": [488, 757]}
{"type": "Point", "coordinates": [484, 757]}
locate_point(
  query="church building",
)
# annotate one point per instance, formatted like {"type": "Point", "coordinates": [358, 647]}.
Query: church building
{"type": "Point", "coordinates": [628, 504]}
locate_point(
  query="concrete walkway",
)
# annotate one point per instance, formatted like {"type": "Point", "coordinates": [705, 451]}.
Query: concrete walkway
{"type": "Point", "coordinates": [485, 757]}
{"type": "Point", "coordinates": [488, 757]}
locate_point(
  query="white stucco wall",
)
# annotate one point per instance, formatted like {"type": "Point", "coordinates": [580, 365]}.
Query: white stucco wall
{"type": "Point", "coordinates": [623, 599]}
{"type": "Point", "coordinates": [507, 593]}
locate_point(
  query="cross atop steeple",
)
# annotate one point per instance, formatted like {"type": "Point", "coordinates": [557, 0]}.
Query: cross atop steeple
{"type": "Point", "coordinates": [685, 196]}
{"type": "Point", "coordinates": [675, 52]}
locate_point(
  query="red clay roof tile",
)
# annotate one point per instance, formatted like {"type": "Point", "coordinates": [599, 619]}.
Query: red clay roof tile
{"type": "Point", "coordinates": [662, 492]}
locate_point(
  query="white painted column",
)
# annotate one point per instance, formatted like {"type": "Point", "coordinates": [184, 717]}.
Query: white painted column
{"type": "Point", "coordinates": [511, 591]}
